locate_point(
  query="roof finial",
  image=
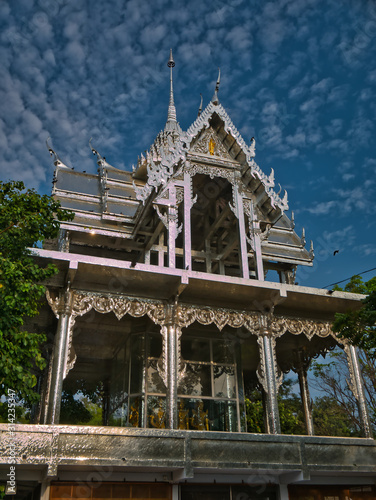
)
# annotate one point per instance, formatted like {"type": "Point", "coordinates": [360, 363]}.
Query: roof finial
{"type": "Point", "coordinates": [200, 108]}
{"type": "Point", "coordinates": [171, 115]}
{"type": "Point", "coordinates": [57, 161]}
{"type": "Point", "coordinates": [100, 159]}
{"type": "Point", "coordinates": [215, 96]}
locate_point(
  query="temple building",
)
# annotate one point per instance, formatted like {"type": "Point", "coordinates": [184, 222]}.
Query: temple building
{"type": "Point", "coordinates": [162, 319]}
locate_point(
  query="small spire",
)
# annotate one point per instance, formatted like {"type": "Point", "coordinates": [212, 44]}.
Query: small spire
{"type": "Point", "coordinates": [311, 251]}
{"type": "Point", "coordinates": [171, 115]}
{"type": "Point", "coordinates": [215, 96]}
{"type": "Point", "coordinates": [200, 108]}
{"type": "Point", "coordinates": [302, 238]}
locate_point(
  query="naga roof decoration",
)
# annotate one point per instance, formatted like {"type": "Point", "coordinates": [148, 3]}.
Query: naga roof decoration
{"type": "Point", "coordinates": [57, 162]}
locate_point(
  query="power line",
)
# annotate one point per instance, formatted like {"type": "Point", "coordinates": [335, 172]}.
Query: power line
{"type": "Point", "coordinates": [347, 279]}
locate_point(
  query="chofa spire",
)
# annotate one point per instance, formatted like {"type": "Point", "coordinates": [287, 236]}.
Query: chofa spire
{"type": "Point", "coordinates": [215, 99]}
{"type": "Point", "coordinates": [171, 123]}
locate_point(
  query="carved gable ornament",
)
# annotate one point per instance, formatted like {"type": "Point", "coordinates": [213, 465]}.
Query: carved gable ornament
{"type": "Point", "coordinates": [209, 144]}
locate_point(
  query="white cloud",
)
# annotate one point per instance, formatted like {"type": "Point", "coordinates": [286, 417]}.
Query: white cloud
{"type": "Point", "coordinates": [75, 53]}
{"type": "Point", "coordinates": [322, 86]}
{"type": "Point", "coordinates": [272, 34]}
{"type": "Point", "coordinates": [348, 177]}
{"type": "Point", "coordinates": [322, 208]}
{"type": "Point", "coordinates": [298, 139]}
{"type": "Point", "coordinates": [338, 94]}
{"type": "Point", "coordinates": [311, 105]}
{"type": "Point", "coordinates": [365, 250]}
{"type": "Point", "coordinates": [343, 237]}
{"type": "Point", "coordinates": [335, 126]}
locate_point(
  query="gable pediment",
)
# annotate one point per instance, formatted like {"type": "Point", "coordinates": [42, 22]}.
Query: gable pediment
{"type": "Point", "coordinates": [209, 144]}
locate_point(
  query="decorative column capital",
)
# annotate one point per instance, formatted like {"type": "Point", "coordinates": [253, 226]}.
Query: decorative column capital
{"type": "Point", "coordinates": [62, 303]}
{"type": "Point", "coordinates": [266, 320]}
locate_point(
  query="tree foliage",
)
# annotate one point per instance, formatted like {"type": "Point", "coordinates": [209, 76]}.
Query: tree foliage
{"type": "Point", "coordinates": [26, 220]}
{"type": "Point", "coordinates": [290, 410]}
{"type": "Point", "coordinates": [332, 380]}
{"type": "Point", "coordinates": [359, 327]}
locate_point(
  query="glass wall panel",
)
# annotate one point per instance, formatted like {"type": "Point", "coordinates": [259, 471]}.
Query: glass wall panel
{"type": "Point", "coordinates": [224, 381]}
{"type": "Point", "coordinates": [156, 412]}
{"type": "Point", "coordinates": [155, 382]}
{"type": "Point", "coordinates": [197, 381]}
{"type": "Point", "coordinates": [136, 411]}
{"type": "Point", "coordinates": [117, 380]}
{"type": "Point", "coordinates": [118, 411]}
{"type": "Point", "coordinates": [194, 349]}
{"type": "Point", "coordinates": [223, 352]}
{"type": "Point", "coordinates": [137, 383]}
{"type": "Point", "coordinates": [208, 392]}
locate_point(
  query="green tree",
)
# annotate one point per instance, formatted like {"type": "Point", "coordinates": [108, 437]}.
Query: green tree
{"type": "Point", "coordinates": [359, 327]}
{"type": "Point", "coordinates": [26, 220]}
{"type": "Point", "coordinates": [332, 419]}
{"type": "Point", "coordinates": [289, 406]}
{"type": "Point", "coordinates": [336, 412]}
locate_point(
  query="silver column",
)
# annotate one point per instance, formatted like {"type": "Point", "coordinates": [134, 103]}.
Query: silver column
{"type": "Point", "coordinates": [187, 221]}
{"type": "Point", "coordinates": [242, 234]}
{"type": "Point", "coordinates": [171, 353]}
{"type": "Point", "coordinates": [60, 357]}
{"type": "Point", "coordinates": [269, 377]}
{"type": "Point", "coordinates": [172, 227]}
{"type": "Point", "coordinates": [357, 388]}
{"type": "Point", "coordinates": [258, 251]}
{"type": "Point", "coordinates": [255, 238]}
{"type": "Point", "coordinates": [301, 369]}
{"type": "Point", "coordinates": [172, 376]}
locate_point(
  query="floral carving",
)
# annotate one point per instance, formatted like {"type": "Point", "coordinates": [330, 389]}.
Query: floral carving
{"type": "Point", "coordinates": [211, 172]}
{"type": "Point", "coordinates": [256, 323]}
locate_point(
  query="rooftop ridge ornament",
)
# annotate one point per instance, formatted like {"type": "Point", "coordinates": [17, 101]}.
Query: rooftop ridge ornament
{"type": "Point", "coordinates": [200, 108]}
{"type": "Point", "coordinates": [57, 161]}
{"type": "Point", "coordinates": [101, 160]}
{"type": "Point", "coordinates": [171, 123]}
{"type": "Point", "coordinates": [215, 99]}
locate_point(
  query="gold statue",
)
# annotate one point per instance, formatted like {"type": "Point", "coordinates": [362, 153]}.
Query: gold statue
{"type": "Point", "coordinates": [211, 146]}
{"type": "Point", "coordinates": [158, 420]}
{"type": "Point", "coordinates": [133, 415]}
{"type": "Point", "coordinates": [183, 416]}
{"type": "Point", "coordinates": [200, 420]}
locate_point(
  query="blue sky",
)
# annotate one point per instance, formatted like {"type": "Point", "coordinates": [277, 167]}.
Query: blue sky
{"type": "Point", "coordinates": [298, 75]}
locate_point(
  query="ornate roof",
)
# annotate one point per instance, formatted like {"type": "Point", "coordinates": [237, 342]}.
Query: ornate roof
{"type": "Point", "coordinates": [139, 207]}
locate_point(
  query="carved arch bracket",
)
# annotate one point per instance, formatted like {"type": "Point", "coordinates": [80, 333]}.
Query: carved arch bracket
{"type": "Point", "coordinates": [254, 322]}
